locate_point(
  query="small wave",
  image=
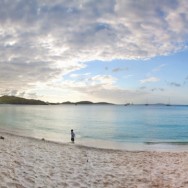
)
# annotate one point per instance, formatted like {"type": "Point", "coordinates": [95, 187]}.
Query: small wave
{"type": "Point", "coordinates": [170, 143]}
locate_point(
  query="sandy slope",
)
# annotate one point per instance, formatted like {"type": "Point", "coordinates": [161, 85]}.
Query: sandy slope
{"type": "Point", "coordinates": [26, 162]}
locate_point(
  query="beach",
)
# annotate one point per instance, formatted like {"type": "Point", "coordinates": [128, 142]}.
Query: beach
{"type": "Point", "coordinates": [28, 162]}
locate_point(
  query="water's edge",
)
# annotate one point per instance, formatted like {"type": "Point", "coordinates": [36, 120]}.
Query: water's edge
{"type": "Point", "coordinates": [114, 146]}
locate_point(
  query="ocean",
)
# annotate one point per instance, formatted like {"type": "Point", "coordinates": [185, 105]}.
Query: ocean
{"type": "Point", "coordinates": [133, 127]}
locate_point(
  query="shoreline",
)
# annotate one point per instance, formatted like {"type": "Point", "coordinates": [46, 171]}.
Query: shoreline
{"type": "Point", "coordinates": [117, 146]}
{"type": "Point", "coordinates": [29, 162]}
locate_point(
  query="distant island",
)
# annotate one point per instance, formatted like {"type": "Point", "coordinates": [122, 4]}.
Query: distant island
{"type": "Point", "coordinates": [19, 100]}
{"type": "Point", "coordinates": [87, 102]}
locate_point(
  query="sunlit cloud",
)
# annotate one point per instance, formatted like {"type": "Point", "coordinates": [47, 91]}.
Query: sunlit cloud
{"type": "Point", "coordinates": [41, 41]}
{"type": "Point", "coordinates": [150, 79]}
{"type": "Point", "coordinates": [157, 69]}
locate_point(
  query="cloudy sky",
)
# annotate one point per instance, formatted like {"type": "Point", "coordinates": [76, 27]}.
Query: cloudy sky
{"type": "Point", "coordinates": [116, 51]}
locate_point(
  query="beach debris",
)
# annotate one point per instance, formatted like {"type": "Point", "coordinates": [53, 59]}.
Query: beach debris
{"type": "Point", "coordinates": [1, 137]}
{"type": "Point", "coordinates": [43, 139]}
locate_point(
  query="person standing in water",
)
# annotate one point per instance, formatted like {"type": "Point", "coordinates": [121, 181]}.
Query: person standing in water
{"type": "Point", "coordinates": [72, 136]}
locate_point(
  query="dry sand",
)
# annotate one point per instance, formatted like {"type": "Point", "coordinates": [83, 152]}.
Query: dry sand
{"type": "Point", "coordinates": [27, 162]}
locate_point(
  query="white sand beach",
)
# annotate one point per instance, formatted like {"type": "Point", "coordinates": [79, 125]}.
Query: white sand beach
{"type": "Point", "coordinates": [27, 162]}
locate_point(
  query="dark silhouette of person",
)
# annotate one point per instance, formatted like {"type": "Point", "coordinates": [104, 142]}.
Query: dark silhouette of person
{"type": "Point", "coordinates": [72, 136]}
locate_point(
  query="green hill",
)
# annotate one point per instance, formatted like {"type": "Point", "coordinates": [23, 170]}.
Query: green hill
{"type": "Point", "coordinates": [84, 102]}
{"type": "Point", "coordinates": [87, 102]}
{"type": "Point", "coordinates": [104, 103]}
{"type": "Point", "coordinates": [19, 100]}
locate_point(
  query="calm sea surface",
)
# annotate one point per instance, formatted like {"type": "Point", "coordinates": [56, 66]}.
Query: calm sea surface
{"type": "Point", "coordinates": [108, 126]}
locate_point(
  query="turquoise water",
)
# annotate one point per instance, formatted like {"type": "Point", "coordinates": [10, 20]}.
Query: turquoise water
{"type": "Point", "coordinates": [99, 124]}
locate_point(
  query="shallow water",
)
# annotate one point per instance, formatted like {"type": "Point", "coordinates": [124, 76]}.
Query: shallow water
{"type": "Point", "coordinates": [107, 126]}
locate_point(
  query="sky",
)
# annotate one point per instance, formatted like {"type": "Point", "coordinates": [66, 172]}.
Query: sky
{"type": "Point", "coordinates": [117, 51]}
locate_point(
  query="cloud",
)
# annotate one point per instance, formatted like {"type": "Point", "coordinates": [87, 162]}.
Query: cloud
{"type": "Point", "coordinates": [143, 87]}
{"type": "Point", "coordinates": [12, 92]}
{"type": "Point", "coordinates": [157, 89]}
{"type": "Point", "coordinates": [119, 69]}
{"type": "Point", "coordinates": [153, 89]}
{"type": "Point", "coordinates": [43, 40]}
{"type": "Point", "coordinates": [128, 76]}
{"type": "Point", "coordinates": [157, 69]}
{"type": "Point", "coordinates": [32, 95]}
{"type": "Point", "coordinates": [87, 80]}
{"type": "Point", "coordinates": [9, 92]}
{"type": "Point", "coordinates": [175, 84]}
{"type": "Point", "coordinates": [115, 95]}
{"type": "Point", "coordinates": [86, 30]}
{"type": "Point", "coordinates": [100, 90]}
{"type": "Point", "coordinates": [150, 79]}
{"type": "Point", "coordinates": [79, 75]}
{"type": "Point", "coordinates": [96, 88]}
